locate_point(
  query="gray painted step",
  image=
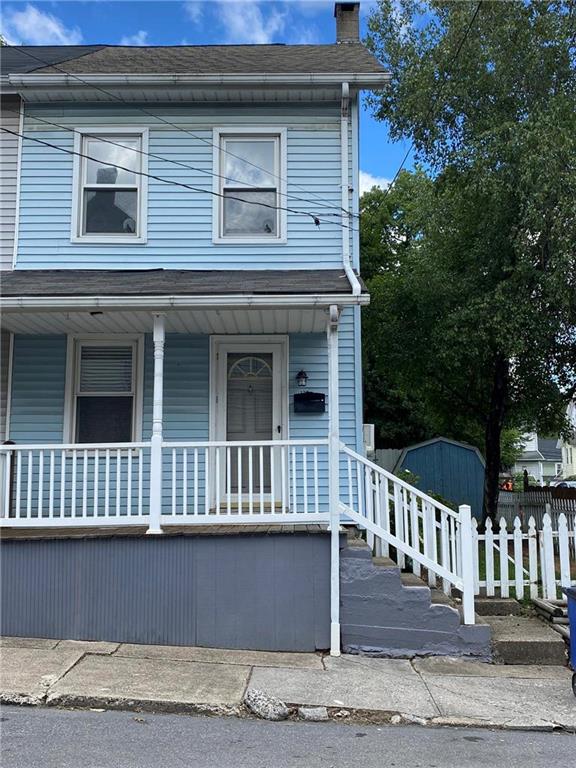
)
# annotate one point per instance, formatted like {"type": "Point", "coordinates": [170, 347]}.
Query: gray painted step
{"type": "Point", "coordinates": [382, 616]}
{"type": "Point", "coordinates": [497, 606]}
{"type": "Point", "coordinates": [525, 640]}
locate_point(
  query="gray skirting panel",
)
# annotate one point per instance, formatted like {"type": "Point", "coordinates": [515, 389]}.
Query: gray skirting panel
{"type": "Point", "coordinates": [265, 592]}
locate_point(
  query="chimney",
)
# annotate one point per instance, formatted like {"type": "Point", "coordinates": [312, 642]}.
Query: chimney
{"type": "Point", "coordinates": [347, 17]}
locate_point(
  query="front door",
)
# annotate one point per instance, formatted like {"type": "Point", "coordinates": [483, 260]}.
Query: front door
{"type": "Point", "coordinates": [249, 409]}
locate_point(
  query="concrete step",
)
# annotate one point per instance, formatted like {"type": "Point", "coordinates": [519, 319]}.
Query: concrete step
{"type": "Point", "coordinates": [525, 640]}
{"type": "Point", "coordinates": [497, 606]}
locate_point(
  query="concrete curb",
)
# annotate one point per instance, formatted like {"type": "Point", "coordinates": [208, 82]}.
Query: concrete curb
{"type": "Point", "coordinates": [335, 714]}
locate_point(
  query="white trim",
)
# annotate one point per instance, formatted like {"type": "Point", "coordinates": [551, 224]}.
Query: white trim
{"type": "Point", "coordinates": [78, 303]}
{"type": "Point", "coordinates": [142, 183]}
{"type": "Point", "coordinates": [9, 385]}
{"type": "Point", "coordinates": [222, 132]}
{"type": "Point", "coordinates": [18, 175]}
{"type": "Point", "coordinates": [74, 342]}
{"type": "Point", "coordinates": [358, 79]}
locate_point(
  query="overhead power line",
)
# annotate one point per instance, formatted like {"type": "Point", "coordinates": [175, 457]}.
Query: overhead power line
{"type": "Point", "coordinates": [316, 219]}
{"type": "Point", "coordinates": [178, 128]}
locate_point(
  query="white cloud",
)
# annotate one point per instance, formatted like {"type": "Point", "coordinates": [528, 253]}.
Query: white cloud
{"type": "Point", "coordinates": [194, 10]}
{"type": "Point", "coordinates": [248, 22]}
{"type": "Point", "coordinates": [367, 181]}
{"type": "Point", "coordinates": [34, 27]}
{"type": "Point", "coordinates": [139, 38]}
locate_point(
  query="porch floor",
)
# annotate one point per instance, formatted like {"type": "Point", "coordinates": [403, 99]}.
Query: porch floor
{"type": "Point", "coordinates": [168, 530]}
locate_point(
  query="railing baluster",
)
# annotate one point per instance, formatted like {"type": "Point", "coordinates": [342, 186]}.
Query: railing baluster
{"type": "Point", "coordinates": [107, 484]}
{"type": "Point", "coordinates": [51, 486]}
{"type": "Point", "coordinates": [140, 480]}
{"type": "Point", "coordinates": [305, 475]}
{"type": "Point", "coordinates": [261, 460]}
{"type": "Point", "coordinates": [74, 478]}
{"type": "Point", "coordinates": [63, 484]}
{"type": "Point", "coordinates": [350, 493]}
{"type": "Point", "coordinates": [360, 489]}
{"type": "Point", "coordinates": [503, 544]}
{"type": "Point", "coordinates": [85, 485]}
{"type": "Point", "coordinates": [250, 482]}
{"type": "Point", "coordinates": [239, 468]}
{"type": "Point", "coordinates": [6, 467]}
{"type": "Point", "coordinates": [118, 480]}
{"type": "Point", "coordinates": [272, 481]}
{"type": "Point", "coordinates": [96, 481]}
{"type": "Point", "coordinates": [377, 514]}
{"type": "Point", "coordinates": [385, 506]}
{"type": "Point", "coordinates": [195, 481]}
{"type": "Point", "coordinates": [415, 524]}
{"type": "Point", "coordinates": [173, 481]}
{"type": "Point", "coordinates": [228, 481]}
{"type": "Point", "coordinates": [445, 549]}
{"type": "Point", "coordinates": [207, 480]}
{"type": "Point", "coordinates": [399, 522]}
{"type": "Point", "coordinates": [129, 483]}
{"type": "Point", "coordinates": [29, 488]}
{"type": "Point", "coordinates": [184, 481]}
{"type": "Point", "coordinates": [294, 481]}
{"type": "Point", "coordinates": [368, 502]}
{"type": "Point", "coordinates": [316, 484]}
{"type": "Point", "coordinates": [18, 483]}
{"type": "Point", "coordinates": [217, 480]}
{"type": "Point", "coordinates": [40, 481]}
{"type": "Point", "coordinates": [489, 557]}
{"type": "Point", "coordinates": [283, 478]}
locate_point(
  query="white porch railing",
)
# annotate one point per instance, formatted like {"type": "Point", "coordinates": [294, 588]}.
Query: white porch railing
{"type": "Point", "coordinates": [246, 481]}
{"type": "Point", "coordinates": [205, 483]}
{"type": "Point", "coordinates": [397, 515]}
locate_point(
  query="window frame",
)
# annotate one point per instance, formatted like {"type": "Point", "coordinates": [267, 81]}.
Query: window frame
{"type": "Point", "coordinates": [247, 133]}
{"type": "Point", "coordinates": [75, 344]}
{"type": "Point", "coordinates": [82, 134]}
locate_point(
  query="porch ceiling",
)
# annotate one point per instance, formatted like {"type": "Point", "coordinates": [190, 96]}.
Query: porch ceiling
{"type": "Point", "coordinates": [199, 321]}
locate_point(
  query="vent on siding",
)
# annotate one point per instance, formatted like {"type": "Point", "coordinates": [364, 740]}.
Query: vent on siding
{"type": "Point", "coordinates": [105, 369]}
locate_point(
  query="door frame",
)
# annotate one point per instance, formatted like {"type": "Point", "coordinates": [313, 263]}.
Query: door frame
{"type": "Point", "coordinates": [220, 345]}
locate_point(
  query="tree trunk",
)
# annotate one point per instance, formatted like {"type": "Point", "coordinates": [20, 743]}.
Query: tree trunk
{"type": "Point", "coordinates": [493, 433]}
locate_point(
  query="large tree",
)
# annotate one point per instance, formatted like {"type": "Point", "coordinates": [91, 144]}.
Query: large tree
{"type": "Point", "coordinates": [475, 308]}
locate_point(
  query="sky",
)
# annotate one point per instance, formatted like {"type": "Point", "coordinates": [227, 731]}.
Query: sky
{"type": "Point", "coordinates": [195, 22]}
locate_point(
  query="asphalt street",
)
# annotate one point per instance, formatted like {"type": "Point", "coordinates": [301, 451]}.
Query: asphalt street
{"type": "Point", "coordinates": [55, 738]}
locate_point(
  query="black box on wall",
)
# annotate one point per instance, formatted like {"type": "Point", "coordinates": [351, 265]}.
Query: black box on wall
{"type": "Point", "coordinates": [309, 402]}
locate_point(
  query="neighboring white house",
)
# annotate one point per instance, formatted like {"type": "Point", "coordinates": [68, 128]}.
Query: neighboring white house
{"type": "Point", "coordinates": [541, 457]}
{"type": "Point", "coordinates": [568, 447]}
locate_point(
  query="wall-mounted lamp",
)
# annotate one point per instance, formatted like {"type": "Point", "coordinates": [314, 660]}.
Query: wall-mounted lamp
{"type": "Point", "coordinates": [302, 378]}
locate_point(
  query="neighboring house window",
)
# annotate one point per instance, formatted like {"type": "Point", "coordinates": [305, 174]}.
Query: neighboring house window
{"type": "Point", "coordinates": [104, 403]}
{"type": "Point", "coordinates": [111, 191]}
{"type": "Point", "coordinates": [250, 179]}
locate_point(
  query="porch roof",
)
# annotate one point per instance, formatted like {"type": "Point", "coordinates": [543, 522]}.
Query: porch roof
{"type": "Point", "coordinates": [206, 302]}
{"type": "Point", "coordinates": [173, 282]}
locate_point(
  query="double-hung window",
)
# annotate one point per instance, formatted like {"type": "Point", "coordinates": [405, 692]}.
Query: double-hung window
{"type": "Point", "coordinates": [250, 178]}
{"type": "Point", "coordinates": [110, 192]}
{"type": "Point", "coordinates": [105, 393]}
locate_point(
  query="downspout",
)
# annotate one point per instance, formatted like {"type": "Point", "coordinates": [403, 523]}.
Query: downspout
{"type": "Point", "coordinates": [345, 184]}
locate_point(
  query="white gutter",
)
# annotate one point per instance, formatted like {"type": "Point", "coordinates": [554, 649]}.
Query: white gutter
{"type": "Point", "coordinates": [345, 184]}
{"type": "Point", "coordinates": [87, 303]}
{"type": "Point", "coordinates": [359, 80]}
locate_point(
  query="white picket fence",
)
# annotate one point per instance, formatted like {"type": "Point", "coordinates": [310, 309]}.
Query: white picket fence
{"type": "Point", "coordinates": [532, 563]}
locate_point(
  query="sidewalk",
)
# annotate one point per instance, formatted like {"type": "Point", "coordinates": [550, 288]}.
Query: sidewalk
{"type": "Point", "coordinates": [433, 691]}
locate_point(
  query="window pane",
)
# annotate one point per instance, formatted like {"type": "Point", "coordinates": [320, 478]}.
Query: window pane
{"type": "Point", "coordinates": [111, 212]}
{"type": "Point", "coordinates": [105, 369]}
{"type": "Point", "coordinates": [102, 170]}
{"type": "Point", "coordinates": [238, 158]}
{"type": "Point", "coordinates": [104, 419]}
{"type": "Point", "coordinates": [242, 217]}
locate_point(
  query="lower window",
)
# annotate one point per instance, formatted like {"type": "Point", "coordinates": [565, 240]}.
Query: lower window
{"type": "Point", "coordinates": [105, 392]}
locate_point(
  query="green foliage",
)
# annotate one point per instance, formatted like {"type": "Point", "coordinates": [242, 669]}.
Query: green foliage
{"type": "Point", "coordinates": [408, 476]}
{"type": "Point", "coordinates": [472, 269]}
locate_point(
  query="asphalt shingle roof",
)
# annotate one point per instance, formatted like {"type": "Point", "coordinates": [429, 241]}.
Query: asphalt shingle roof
{"type": "Point", "coordinates": [162, 282]}
{"type": "Point", "coordinates": [198, 59]}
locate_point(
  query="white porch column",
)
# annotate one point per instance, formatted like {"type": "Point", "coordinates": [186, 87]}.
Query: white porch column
{"type": "Point", "coordinates": [334, 479]}
{"type": "Point", "coordinates": [156, 441]}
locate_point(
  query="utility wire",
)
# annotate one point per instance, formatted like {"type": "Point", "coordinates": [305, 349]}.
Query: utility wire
{"type": "Point", "coordinates": [102, 138]}
{"type": "Point", "coordinates": [316, 219]}
{"type": "Point", "coordinates": [177, 127]}
{"type": "Point", "coordinates": [442, 84]}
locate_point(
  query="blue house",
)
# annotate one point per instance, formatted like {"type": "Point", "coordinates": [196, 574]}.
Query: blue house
{"type": "Point", "coordinates": [184, 324]}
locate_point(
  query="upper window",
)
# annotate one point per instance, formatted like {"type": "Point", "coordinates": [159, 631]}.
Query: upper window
{"type": "Point", "coordinates": [111, 188]}
{"type": "Point", "coordinates": [250, 178]}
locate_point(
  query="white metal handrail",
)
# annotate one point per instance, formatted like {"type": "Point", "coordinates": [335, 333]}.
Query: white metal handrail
{"type": "Point", "coordinates": [397, 515]}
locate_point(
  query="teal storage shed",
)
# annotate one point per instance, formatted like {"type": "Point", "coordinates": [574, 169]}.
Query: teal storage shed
{"type": "Point", "coordinates": [453, 470]}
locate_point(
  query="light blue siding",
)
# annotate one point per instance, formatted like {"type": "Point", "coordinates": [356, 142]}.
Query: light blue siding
{"type": "Point", "coordinates": [38, 381]}
{"type": "Point", "coordinates": [180, 220]}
